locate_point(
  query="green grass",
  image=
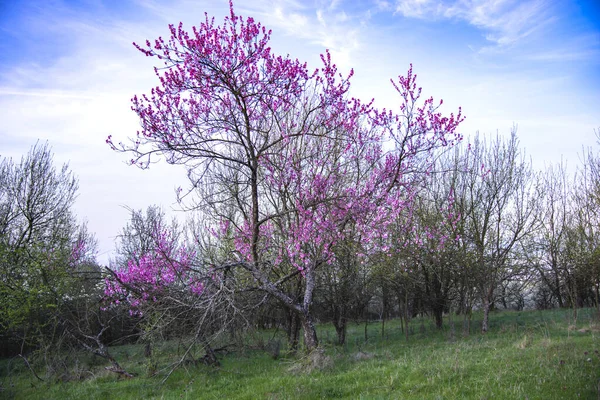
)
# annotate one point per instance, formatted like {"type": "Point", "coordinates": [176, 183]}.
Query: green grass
{"type": "Point", "coordinates": [526, 355]}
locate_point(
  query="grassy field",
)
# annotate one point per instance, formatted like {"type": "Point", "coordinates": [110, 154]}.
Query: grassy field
{"type": "Point", "coordinates": [526, 355]}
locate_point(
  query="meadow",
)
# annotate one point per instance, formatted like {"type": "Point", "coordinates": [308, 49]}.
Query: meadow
{"type": "Point", "coordinates": [525, 355]}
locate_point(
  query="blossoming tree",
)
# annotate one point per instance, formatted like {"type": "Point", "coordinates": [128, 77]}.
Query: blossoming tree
{"type": "Point", "coordinates": [283, 159]}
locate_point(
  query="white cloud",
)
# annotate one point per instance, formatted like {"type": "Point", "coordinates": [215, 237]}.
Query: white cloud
{"type": "Point", "coordinates": [328, 27]}
{"type": "Point", "coordinates": [334, 4]}
{"type": "Point", "coordinates": [416, 8]}
{"type": "Point", "coordinates": [383, 5]}
{"type": "Point", "coordinates": [4, 91]}
{"type": "Point", "coordinates": [341, 17]}
{"type": "Point", "coordinates": [505, 21]}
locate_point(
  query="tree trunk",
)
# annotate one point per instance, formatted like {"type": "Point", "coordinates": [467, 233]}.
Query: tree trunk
{"type": "Point", "coordinates": [598, 299]}
{"type": "Point", "coordinates": [384, 307]}
{"type": "Point", "coordinates": [293, 332]}
{"type": "Point", "coordinates": [504, 303]}
{"type": "Point", "coordinates": [487, 305]}
{"type": "Point", "coordinates": [366, 325]}
{"type": "Point", "coordinates": [310, 333]}
{"type": "Point", "coordinates": [438, 313]}
{"type": "Point", "coordinates": [340, 329]}
{"type": "Point", "coordinates": [558, 292]}
{"type": "Point", "coordinates": [401, 320]}
{"type": "Point", "coordinates": [486, 317]}
{"type": "Point", "coordinates": [462, 300]}
{"type": "Point", "coordinates": [405, 315]}
{"type": "Point", "coordinates": [302, 310]}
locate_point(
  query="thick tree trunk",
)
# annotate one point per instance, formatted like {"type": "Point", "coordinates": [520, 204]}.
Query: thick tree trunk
{"type": "Point", "coordinates": [302, 310]}
{"type": "Point", "coordinates": [310, 333]}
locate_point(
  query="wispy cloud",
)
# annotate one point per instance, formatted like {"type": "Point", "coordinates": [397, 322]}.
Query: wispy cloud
{"type": "Point", "coordinates": [504, 22]}
{"type": "Point", "coordinates": [47, 93]}
{"type": "Point", "coordinates": [577, 48]}
{"type": "Point", "coordinates": [327, 25]}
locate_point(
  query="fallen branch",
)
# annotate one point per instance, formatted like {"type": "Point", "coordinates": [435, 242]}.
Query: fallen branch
{"type": "Point", "coordinates": [119, 371]}
{"type": "Point", "coordinates": [30, 368]}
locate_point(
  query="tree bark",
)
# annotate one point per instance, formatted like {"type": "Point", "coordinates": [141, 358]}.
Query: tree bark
{"type": "Point", "coordinates": [558, 291]}
{"type": "Point", "coordinates": [340, 328]}
{"type": "Point", "coordinates": [438, 313]}
{"type": "Point", "coordinates": [486, 317]}
{"type": "Point", "coordinates": [598, 298]}
{"type": "Point", "coordinates": [293, 329]}
{"type": "Point", "coordinates": [487, 305]}
{"type": "Point", "coordinates": [310, 333]}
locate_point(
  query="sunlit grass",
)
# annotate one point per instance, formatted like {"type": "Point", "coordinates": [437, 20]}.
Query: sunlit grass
{"type": "Point", "coordinates": [526, 355]}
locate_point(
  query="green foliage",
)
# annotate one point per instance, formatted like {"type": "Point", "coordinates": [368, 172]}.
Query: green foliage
{"type": "Point", "coordinates": [42, 248]}
{"type": "Point", "coordinates": [534, 355]}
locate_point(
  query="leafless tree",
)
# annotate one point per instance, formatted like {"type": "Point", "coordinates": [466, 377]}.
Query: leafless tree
{"type": "Point", "coordinates": [501, 210]}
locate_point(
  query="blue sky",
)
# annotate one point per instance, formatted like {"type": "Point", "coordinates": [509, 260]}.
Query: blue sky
{"type": "Point", "coordinates": [68, 70]}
